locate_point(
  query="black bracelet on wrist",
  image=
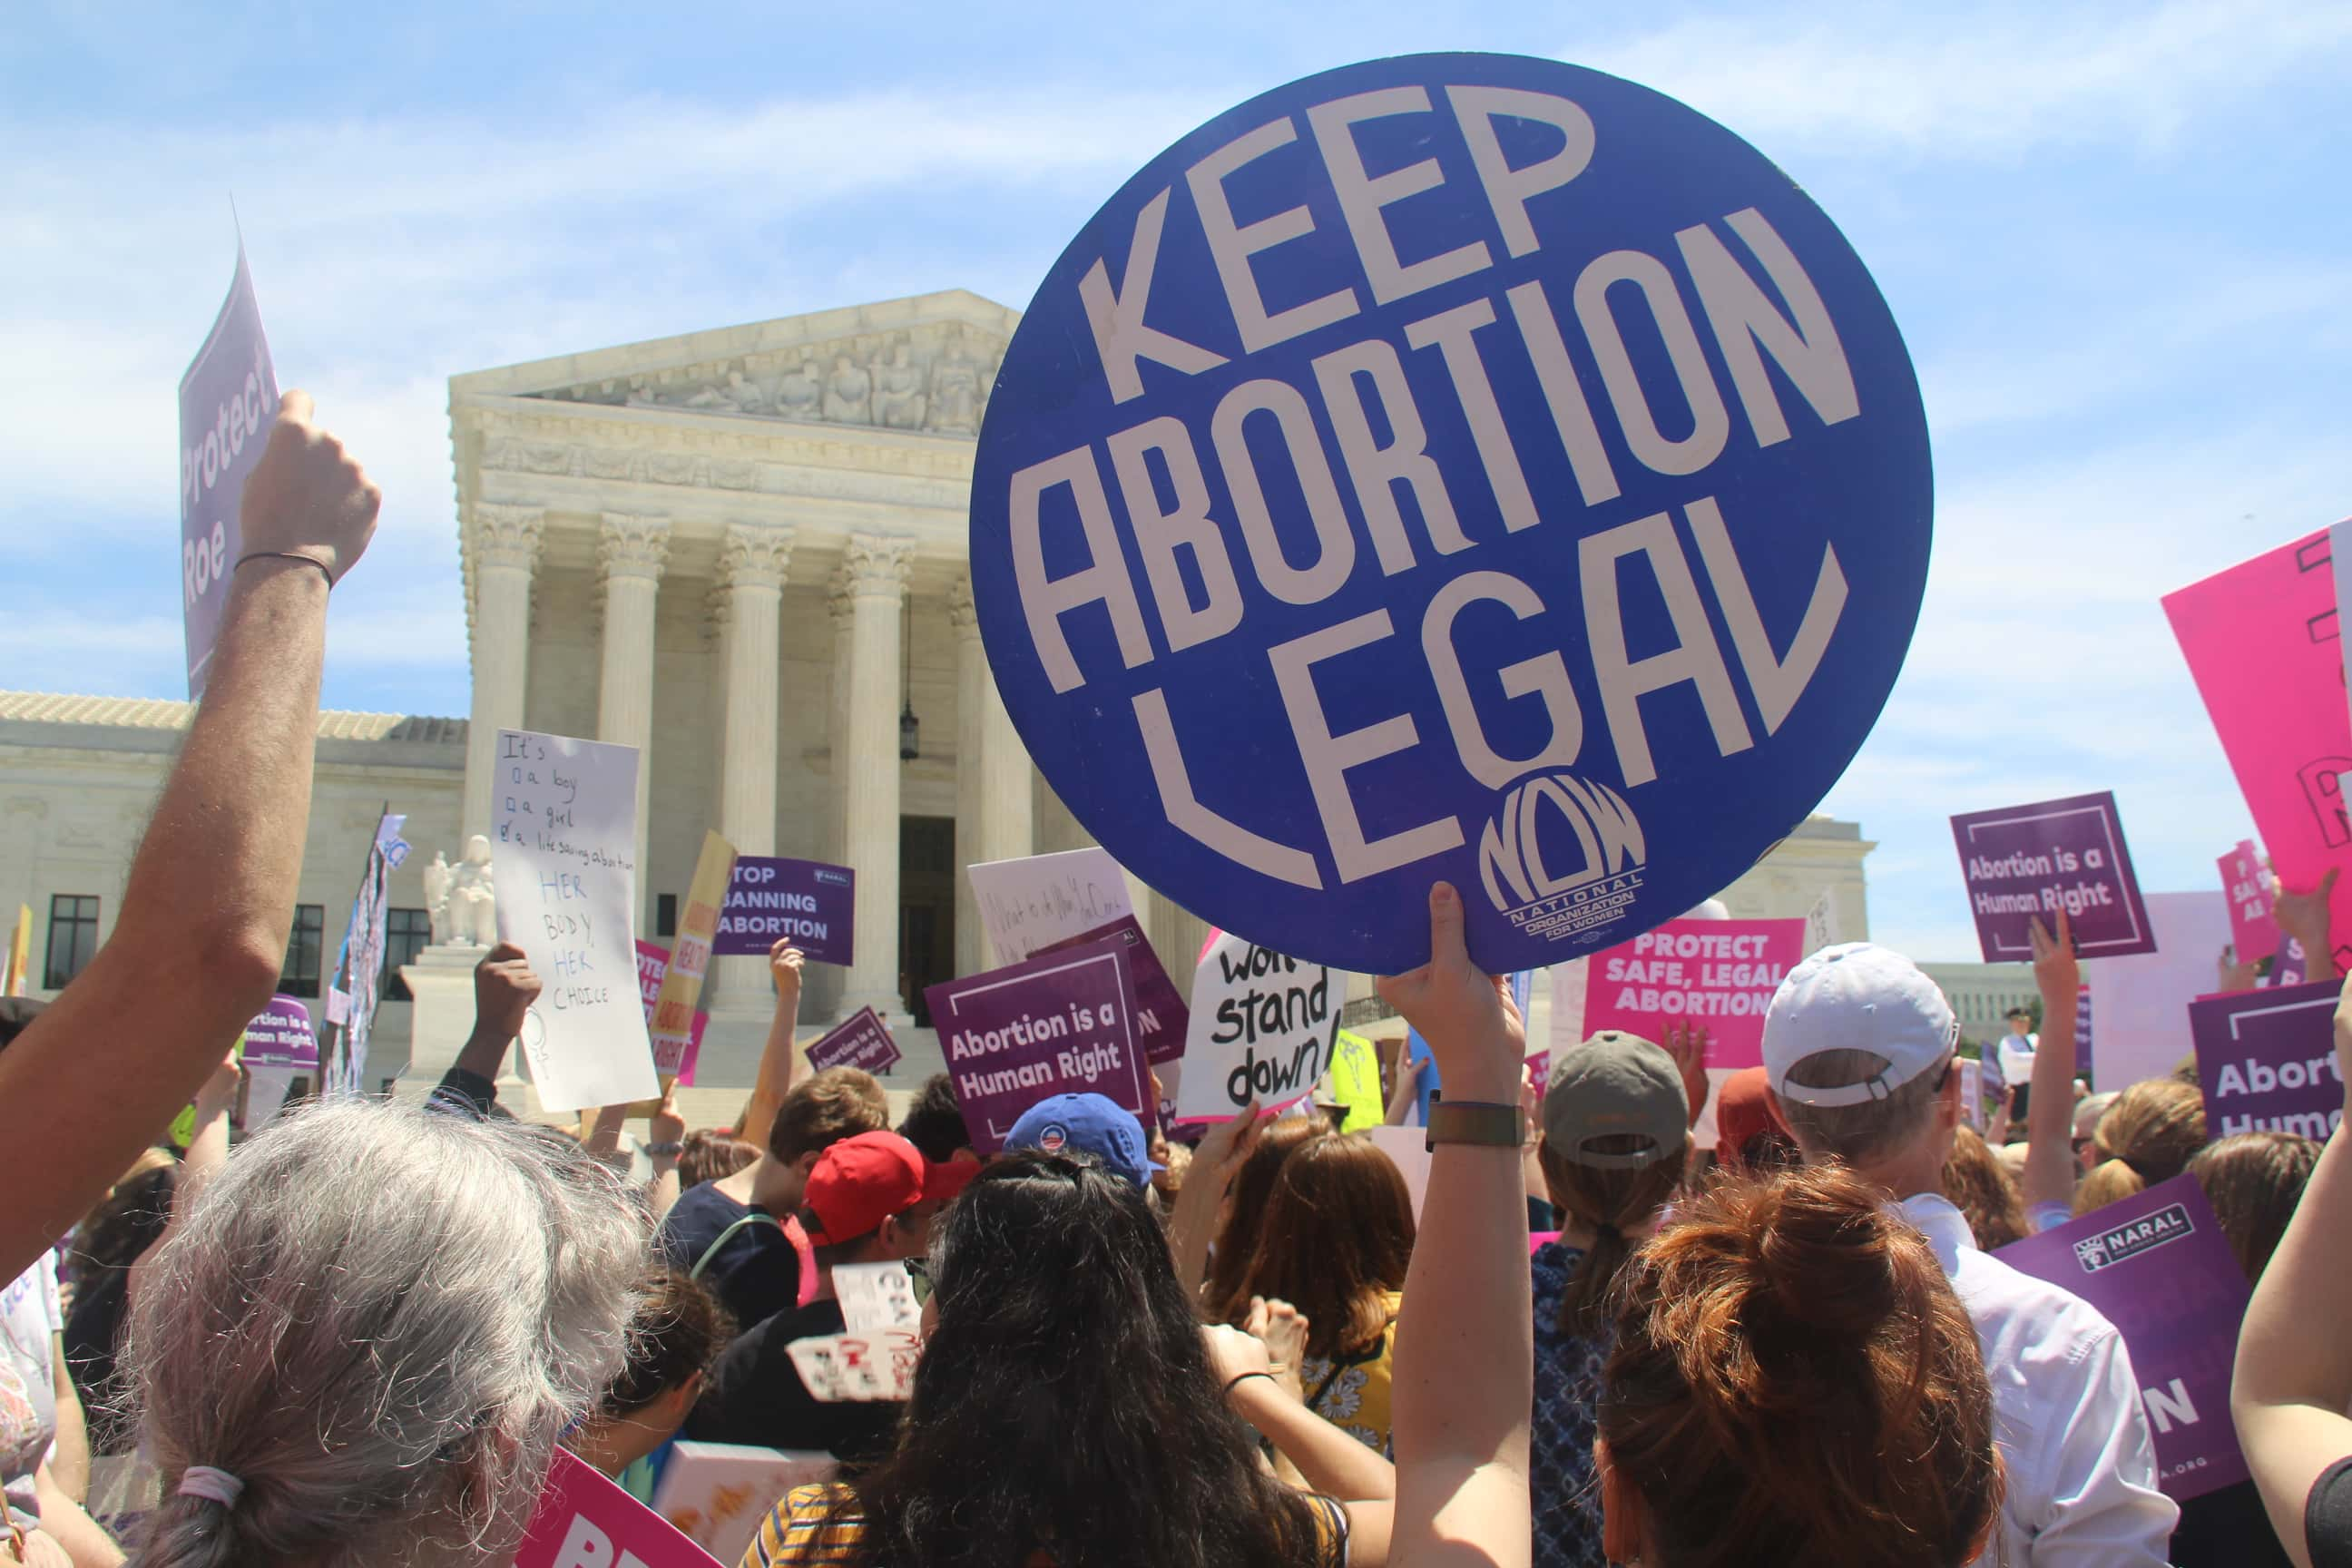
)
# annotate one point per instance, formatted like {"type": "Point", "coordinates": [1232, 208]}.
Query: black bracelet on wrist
{"type": "Point", "coordinates": [1240, 1378]}
{"type": "Point", "coordinates": [288, 555]}
{"type": "Point", "coordinates": [665, 1151]}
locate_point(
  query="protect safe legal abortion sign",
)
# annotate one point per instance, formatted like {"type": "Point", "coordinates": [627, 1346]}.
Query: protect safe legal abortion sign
{"type": "Point", "coordinates": [1455, 465]}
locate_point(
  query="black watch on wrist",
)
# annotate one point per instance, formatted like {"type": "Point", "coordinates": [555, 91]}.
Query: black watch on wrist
{"type": "Point", "coordinates": [1480, 1122]}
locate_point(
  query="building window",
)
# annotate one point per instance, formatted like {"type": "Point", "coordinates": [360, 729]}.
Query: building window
{"type": "Point", "coordinates": [73, 938]}
{"type": "Point", "coordinates": [301, 976]}
{"type": "Point", "coordinates": [406, 933]}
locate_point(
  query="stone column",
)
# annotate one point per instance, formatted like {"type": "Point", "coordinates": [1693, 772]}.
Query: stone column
{"type": "Point", "coordinates": [504, 540]}
{"type": "Point", "coordinates": [752, 568]}
{"type": "Point", "coordinates": [630, 552]}
{"type": "Point", "coordinates": [876, 566]}
{"type": "Point", "coordinates": [972, 680]}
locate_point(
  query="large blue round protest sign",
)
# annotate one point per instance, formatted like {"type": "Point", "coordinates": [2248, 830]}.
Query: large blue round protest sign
{"type": "Point", "coordinates": [1455, 465]}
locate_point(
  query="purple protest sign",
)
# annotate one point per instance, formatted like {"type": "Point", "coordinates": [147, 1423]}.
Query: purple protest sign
{"type": "Point", "coordinates": [2030, 860]}
{"type": "Point", "coordinates": [2158, 1267]}
{"type": "Point", "coordinates": [2083, 1066]}
{"type": "Point", "coordinates": [1055, 1024]}
{"type": "Point", "coordinates": [812, 903]}
{"type": "Point", "coordinates": [228, 399]}
{"type": "Point", "coordinates": [1161, 1013]}
{"type": "Point", "coordinates": [2267, 1060]}
{"type": "Point", "coordinates": [282, 1036]}
{"type": "Point", "coordinates": [862, 1041]}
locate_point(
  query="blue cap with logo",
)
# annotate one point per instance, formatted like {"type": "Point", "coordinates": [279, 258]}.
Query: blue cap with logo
{"type": "Point", "coordinates": [1086, 1124]}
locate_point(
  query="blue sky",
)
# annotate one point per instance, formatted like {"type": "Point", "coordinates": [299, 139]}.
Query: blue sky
{"type": "Point", "coordinates": [2117, 239]}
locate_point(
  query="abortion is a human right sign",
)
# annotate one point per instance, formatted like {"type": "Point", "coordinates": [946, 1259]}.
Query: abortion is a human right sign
{"type": "Point", "coordinates": [1458, 465]}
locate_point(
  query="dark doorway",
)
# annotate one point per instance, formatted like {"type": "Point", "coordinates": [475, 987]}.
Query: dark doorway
{"type": "Point", "coordinates": [927, 900]}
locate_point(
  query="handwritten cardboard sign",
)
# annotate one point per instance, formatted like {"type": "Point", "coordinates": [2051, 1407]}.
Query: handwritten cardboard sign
{"type": "Point", "coordinates": [1261, 1029]}
{"type": "Point", "coordinates": [2263, 642]}
{"type": "Point", "coordinates": [857, 1369]}
{"type": "Point", "coordinates": [862, 1041]}
{"type": "Point", "coordinates": [2027, 862]}
{"type": "Point", "coordinates": [1161, 1013]}
{"type": "Point", "coordinates": [564, 845]}
{"type": "Point", "coordinates": [1453, 464]}
{"type": "Point", "coordinates": [770, 897]}
{"type": "Point", "coordinates": [1055, 1024]}
{"type": "Point", "coordinates": [1717, 974]}
{"type": "Point", "coordinates": [228, 400]}
{"type": "Point", "coordinates": [2158, 1267]}
{"type": "Point", "coordinates": [1029, 904]}
{"type": "Point", "coordinates": [584, 1520]}
{"type": "Point", "coordinates": [2267, 1060]}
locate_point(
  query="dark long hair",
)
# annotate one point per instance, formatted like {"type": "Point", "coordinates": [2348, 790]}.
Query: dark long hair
{"type": "Point", "coordinates": [1336, 1238]}
{"type": "Point", "coordinates": [1064, 1402]}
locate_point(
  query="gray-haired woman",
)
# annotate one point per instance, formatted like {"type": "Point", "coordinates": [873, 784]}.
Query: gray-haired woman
{"type": "Point", "coordinates": [363, 1342]}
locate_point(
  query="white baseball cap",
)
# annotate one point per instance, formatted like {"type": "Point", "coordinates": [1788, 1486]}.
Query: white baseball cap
{"type": "Point", "coordinates": [1857, 996]}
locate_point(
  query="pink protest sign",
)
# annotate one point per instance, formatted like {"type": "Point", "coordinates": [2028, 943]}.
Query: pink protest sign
{"type": "Point", "coordinates": [2025, 862]}
{"type": "Point", "coordinates": [652, 963]}
{"type": "Point", "coordinates": [584, 1521]}
{"type": "Point", "coordinates": [2262, 642]}
{"type": "Point", "coordinates": [1717, 974]}
{"type": "Point", "coordinates": [2251, 888]}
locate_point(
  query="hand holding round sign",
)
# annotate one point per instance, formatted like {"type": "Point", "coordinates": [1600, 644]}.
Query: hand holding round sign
{"type": "Point", "coordinates": [1457, 466]}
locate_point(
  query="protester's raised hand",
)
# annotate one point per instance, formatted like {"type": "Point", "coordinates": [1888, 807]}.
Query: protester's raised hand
{"type": "Point", "coordinates": [667, 1126]}
{"type": "Point", "coordinates": [2304, 916]}
{"type": "Point", "coordinates": [1233, 1354]}
{"type": "Point", "coordinates": [1474, 1028]}
{"type": "Point", "coordinates": [1227, 1144]}
{"type": "Point", "coordinates": [2056, 971]}
{"type": "Point", "coordinates": [308, 497]}
{"type": "Point", "coordinates": [1687, 1043]}
{"type": "Point", "coordinates": [219, 1091]}
{"type": "Point", "coordinates": [1282, 1328]}
{"type": "Point", "coordinates": [504, 989]}
{"type": "Point", "coordinates": [784, 962]}
{"type": "Point", "coordinates": [2233, 973]}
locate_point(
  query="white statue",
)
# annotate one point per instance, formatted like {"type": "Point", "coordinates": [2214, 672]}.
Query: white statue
{"type": "Point", "coordinates": [437, 897]}
{"type": "Point", "coordinates": [471, 902]}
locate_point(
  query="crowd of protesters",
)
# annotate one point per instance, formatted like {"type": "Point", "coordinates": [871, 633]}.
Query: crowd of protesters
{"type": "Point", "coordinates": [359, 1338]}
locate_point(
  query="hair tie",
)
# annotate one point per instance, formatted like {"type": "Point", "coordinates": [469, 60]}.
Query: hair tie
{"type": "Point", "coordinates": [213, 1486]}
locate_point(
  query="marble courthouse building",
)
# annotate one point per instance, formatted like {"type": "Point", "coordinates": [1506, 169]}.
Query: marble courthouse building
{"type": "Point", "coordinates": [742, 552]}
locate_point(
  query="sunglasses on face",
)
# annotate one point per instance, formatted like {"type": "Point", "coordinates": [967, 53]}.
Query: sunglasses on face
{"type": "Point", "coordinates": [919, 1274]}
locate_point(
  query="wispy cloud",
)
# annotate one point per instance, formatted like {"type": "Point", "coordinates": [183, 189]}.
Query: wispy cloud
{"type": "Point", "coordinates": [1985, 81]}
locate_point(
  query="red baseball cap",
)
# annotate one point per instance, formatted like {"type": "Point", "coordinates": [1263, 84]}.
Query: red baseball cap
{"type": "Point", "coordinates": [860, 1182]}
{"type": "Point", "coordinates": [942, 1184]}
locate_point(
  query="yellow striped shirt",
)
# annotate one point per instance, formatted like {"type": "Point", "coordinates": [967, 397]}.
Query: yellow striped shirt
{"type": "Point", "coordinates": [802, 1531]}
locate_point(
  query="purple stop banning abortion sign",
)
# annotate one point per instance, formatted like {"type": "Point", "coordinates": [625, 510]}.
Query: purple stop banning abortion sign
{"type": "Point", "coordinates": [2030, 860]}
{"type": "Point", "coordinates": [1055, 1024]}
{"type": "Point", "coordinates": [809, 901]}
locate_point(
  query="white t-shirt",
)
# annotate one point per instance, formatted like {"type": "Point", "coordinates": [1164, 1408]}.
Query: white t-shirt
{"type": "Point", "coordinates": [30, 1317]}
{"type": "Point", "coordinates": [2017, 1058]}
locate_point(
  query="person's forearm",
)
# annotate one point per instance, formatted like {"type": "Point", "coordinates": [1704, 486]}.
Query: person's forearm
{"type": "Point", "coordinates": [780, 1062]}
{"type": "Point", "coordinates": [1193, 1229]}
{"type": "Point", "coordinates": [2293, 1349]}
{"type": "Point", "coordinates": [1407, 1096]}
{"type": "Point", "coordinates": [484, 1054]}
{"type": "Point", "coordinates": [1464, 1367]}
{"type": "Point", "coordinates": [661, 1192]}
{"type": "Point", "coordinates": [69, 1465]}
{"type": "Point", "coordinates": [197, 948]}
{"type": "Point", "coordinates": [1328, 1461]}
{"type": "Point", "coordinates": [2049, 1177]}
{"type": "Point", "coordinates": [67, 1522]}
